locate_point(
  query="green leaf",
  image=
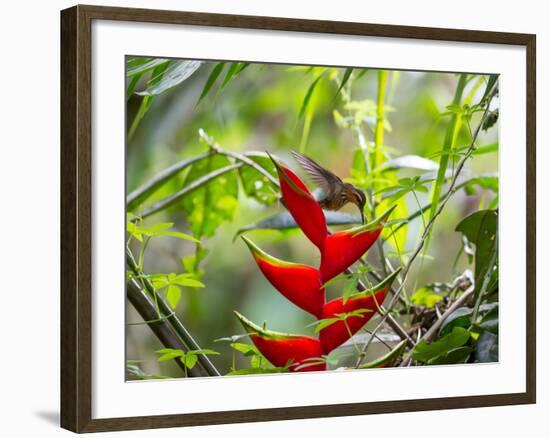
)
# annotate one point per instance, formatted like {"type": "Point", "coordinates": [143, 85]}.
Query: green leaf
{"type": "Point", "coordinates": [487, 149]}
{"type": "Point", "coordinates": [350, 287]}
{"type": "Point", "coordinates": [145, 65]}
{"type": "Point", "coordinates": [175, 74]}
{"type": "Point", "coordinates": [132, 83]}
{"type": "Point", "coordinates": [454, 356]}
{"type": "Point", "coordinates": [156, 77]}
{"type": "Point", "coordinates": [169, 354]}
{"type": "Point", "coordinates": [489, 182]}
{"type": "Point", "coordinates": [480, 228]}
{"type": "Point", "coordinates": [284, 221]}
{"type": "Point", "coordinates": [234, 69]}
{"type": "Point", "coordinates": [345, 79]}
{"type": "Point", "coordinates": [247, 350]}
{"type": "Point", "coordinates": [178, 235]}
{"type": "Point", "coordinates": [255, 361]}
{"type": "Point", "coordinates": [156, 228]}
{"type": "Point", "coordinates": [459, 318]}
{"type": "Point", "coordinates": [203, 351]}
{"type": "Point", "coordinates": [425, 351]}
{"type": "Point", "coordinates": [187, 281]}
{"type": "Point", "coordinates": [388, 359]}
{"type": "Point", "coordinates": [159, 281]}
{"type": "Point", "coordinates": [173, 295]}
{"type": "Point", "coordinates": [245, 371]}
{"type": "Point", "coordinates": [213, 203]}
{"type": "Point", "coordinates": [324, 323]}
{"type": "Point", "coordinates": [489, 321]}
{"type": "Point", "coordinates": [189, 360]}
{"type": "Point", "coordinates": [216, 71]}
{"type": "Point", "coordinates": [256, 185]}
{"type": "Point", "coordinates": [425, 296]}
{"type": "Point", "coordinates": [308, 95]}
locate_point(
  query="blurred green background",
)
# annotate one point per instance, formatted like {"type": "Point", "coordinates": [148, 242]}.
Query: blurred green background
{"type": "Point", "coordinates": [260, 110]}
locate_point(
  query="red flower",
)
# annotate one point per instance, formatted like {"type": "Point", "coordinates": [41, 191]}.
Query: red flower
{"type": "Point", "coordinates": [301, 204]}
{"type": "Point", "coordinates": [370, 301]}
{"type": "Point", "coordinates": [343, 249]}
{"type": "Point", "coordinates": [298, 283]}
{"type": "Point", "coordinates": [302, 284]}
{"type": "Point", "coordinates": [282, 349]}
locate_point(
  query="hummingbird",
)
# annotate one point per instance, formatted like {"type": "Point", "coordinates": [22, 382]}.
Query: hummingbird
{"type": "Point", "coordinates": [335, 192]}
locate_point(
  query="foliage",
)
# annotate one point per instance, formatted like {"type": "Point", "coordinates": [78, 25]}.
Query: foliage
{"type": "Point", "coordinates": [405, 143]}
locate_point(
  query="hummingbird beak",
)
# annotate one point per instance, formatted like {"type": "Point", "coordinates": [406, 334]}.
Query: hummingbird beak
{"type": "Point", "coordinates": [360, 201]}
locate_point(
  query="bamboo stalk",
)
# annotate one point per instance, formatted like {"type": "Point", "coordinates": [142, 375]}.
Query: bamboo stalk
{"type": "Point", "coordinates": [161, 328]}
{"type": "Point", "coordinates": [173, 320]}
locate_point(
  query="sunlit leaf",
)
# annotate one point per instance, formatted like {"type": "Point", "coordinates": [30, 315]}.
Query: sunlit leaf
{"type": "Point", "coordinates": [146, 65]}
{"type": "Point", "coordinates": [256, 185]}
{"type": "Point", "coordinates": [345, 79]}
{"type": "Point", "coordinates": [175, 74]}
{"type": "Point", "coordinates": [308, 95]}
{"type": "Point", "coordinates": [216, 71]}
{"type": "Point", "coordinates": [213, 203]}
{"type": "Point", "coordinates": [173, 295]}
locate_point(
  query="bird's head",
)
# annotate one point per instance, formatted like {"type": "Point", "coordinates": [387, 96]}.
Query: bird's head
{"type": "Point", "coordinates": [358, 198]}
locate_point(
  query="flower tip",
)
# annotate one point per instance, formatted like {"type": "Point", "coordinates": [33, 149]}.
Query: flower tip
{"type": "Point", "coordinates": [384, 216]}
{"type": "Point", "coordinates": [389, 279]}
{"type": "Point", "coordinates": [248, 325]}
{"type": "Point", "coordinates": [275, 162]}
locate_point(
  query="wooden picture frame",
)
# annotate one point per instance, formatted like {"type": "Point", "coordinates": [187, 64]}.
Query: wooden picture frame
{"type": "Point", "coordinates": [76, 218]}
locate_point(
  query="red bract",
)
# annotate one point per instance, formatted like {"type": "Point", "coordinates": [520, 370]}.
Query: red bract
{"type": "Point", "coordinates": [303, 284]}
{"type": "Point", "coordinates": [370, 300]}
{"type": "Point", "coordinates": [301, 204]}
{"type": "Point", "coordinates": [282, 349]}
{"type": "Point", "coordinates": [300, 284]}
{"type": "Point", "coordinates": [344, 248]}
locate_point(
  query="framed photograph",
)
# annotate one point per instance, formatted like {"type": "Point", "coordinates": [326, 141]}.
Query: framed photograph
{"type": "Point", "coordinates": [268, 218]}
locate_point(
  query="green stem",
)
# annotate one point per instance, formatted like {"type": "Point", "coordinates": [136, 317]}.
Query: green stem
{"type": "Point", "coordinates": [377, 156]}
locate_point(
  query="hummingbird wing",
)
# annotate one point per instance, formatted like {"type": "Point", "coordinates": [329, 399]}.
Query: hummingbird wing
{"type": "Point", "coordinates": [324, 178]}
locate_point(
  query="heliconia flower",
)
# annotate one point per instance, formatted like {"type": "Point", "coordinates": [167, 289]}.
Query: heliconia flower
{"type": "Point", "coordinates": [301, 204]}
{"type": "Point", "coordinates": [370, 301]}
{"type": "Point", "coordinates": [282, 349]}
{"type": "Point", "coordinates": [300, 284]}
{"type": "Point", "coordinates": [344, 248]}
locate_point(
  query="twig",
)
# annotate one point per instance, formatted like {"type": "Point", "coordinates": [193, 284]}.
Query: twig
{"type": "Point", "coordinates": [432, 331]}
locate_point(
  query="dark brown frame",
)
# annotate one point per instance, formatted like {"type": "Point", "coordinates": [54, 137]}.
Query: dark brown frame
{"type": "Point", "coordinates": [76, 237]}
